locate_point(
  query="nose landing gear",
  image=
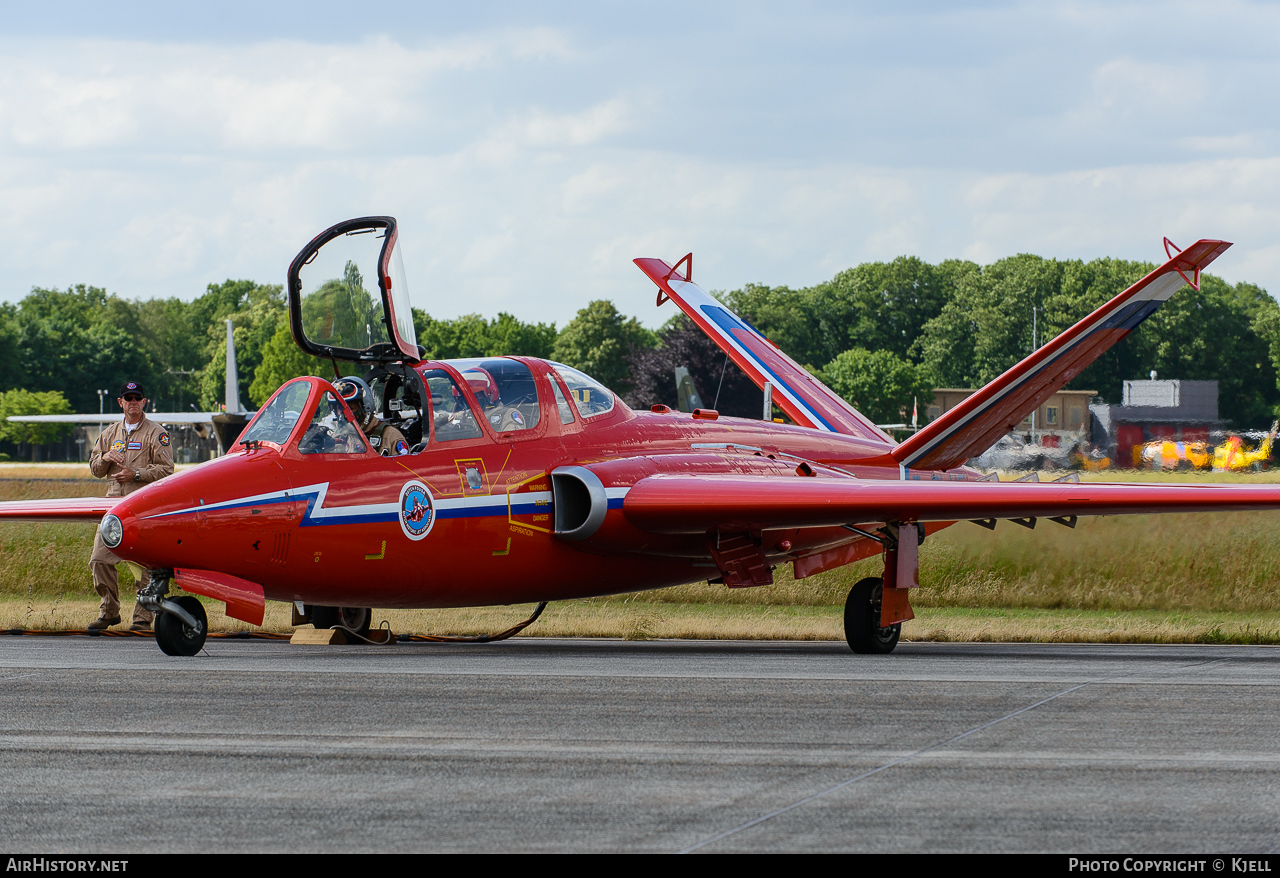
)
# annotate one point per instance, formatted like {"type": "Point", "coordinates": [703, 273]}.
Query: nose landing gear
{"type": "Point", "coordinates": [181, 623]}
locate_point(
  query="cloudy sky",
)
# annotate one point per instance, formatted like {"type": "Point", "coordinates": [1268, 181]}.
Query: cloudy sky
{"type": "Point", "coordinates": [531, 150]}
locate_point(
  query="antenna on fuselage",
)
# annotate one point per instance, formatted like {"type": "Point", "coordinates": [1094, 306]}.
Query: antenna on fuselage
{"type": "Point", "coordinates": [233, 381]}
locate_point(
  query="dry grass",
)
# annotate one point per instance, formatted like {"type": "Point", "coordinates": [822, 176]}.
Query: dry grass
{"type": "Point", "coordinates": [640, 621]}
{"type": "Point", "coordinates": [1166, 578]}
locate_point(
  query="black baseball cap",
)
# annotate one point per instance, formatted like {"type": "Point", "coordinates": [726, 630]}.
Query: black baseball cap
{"type": "Point", "coordinates": [132, 387]}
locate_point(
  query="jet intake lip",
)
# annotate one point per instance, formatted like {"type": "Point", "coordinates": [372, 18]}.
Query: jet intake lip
{"type": "Point", "coordinates": [111, 530]}
{"type": "Point", "coordinates": [580, 502]}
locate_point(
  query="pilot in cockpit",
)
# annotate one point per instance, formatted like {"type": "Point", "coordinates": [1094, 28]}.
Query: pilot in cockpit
{"type": "Point", "coordinates": [503, 418]}
{"type": "Point", "coordinates": [359, 398]}
{"type": "Point", "coordinates": [330, 432]}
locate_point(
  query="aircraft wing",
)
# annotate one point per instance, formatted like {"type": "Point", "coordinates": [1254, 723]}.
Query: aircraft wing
{"type": "Point", "coordinates": [975, 424]}
{"type": "Point", "coordinates": [70, 509]}
{"type": "Point", "coordinates": [680, 504]}
{"type": "Point", "coordinates": [110, 418]}
{"type": "Point", "coordinates": [804, 398]}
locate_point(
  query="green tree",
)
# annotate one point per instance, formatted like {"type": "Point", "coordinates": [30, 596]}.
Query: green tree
{"type": "Point", "coordinates": [473, 336]}
{"type": "Point", "coordinates": [600, 341]}
{"type": "Point", "coordinates": [879, 384]}
{"type": "Point", "coordinates": [342, 313]}
{"type": "Point", "coordinates": [1210, 334]}
{"type": "Point", "coordinates": [282, 360]}
{"type": "Point", "coordinates": [67, 344]}
{"type": "Point", "coordinates": [995, 313]}
{"type": "Point", "coordinates": [875, 305]}
{"type": "Point", "coordinates": [255, 310]}
{"type": "Point", "coordinates": [24, 402]}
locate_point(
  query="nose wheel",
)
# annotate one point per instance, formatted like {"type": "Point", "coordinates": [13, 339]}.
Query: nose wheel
{"type": "Point", "coordinates": [178, 636]}
{"type": "Point", "coordinates": [181, 623]}
{"type": "Point", "coordinates": [862, 628]}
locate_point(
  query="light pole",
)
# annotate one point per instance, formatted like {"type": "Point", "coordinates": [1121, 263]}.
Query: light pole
{"type": "Point", "coordinates": [1034, 347]}
{"type": "Point", "coordinates": [102, 397]}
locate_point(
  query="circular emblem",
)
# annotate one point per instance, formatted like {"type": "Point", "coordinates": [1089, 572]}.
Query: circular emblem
{"type": "Point", "coordinates": [117, 445]}
{"type": "Point", "coordinates": [164, 438]}
{"type": "Point", "coordinates": [402, 447]}
{"type": "Point", "coordinates": [417, 512]}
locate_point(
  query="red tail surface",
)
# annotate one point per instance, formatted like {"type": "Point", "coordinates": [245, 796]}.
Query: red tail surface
{"type": "Point", "coordinates": [804, 398]}
{"type": "Point", "coordinates": [974, 425]}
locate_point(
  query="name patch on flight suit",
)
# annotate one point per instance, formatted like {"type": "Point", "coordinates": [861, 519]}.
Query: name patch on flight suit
{"type": "Point", "coordinates": [135, 446]}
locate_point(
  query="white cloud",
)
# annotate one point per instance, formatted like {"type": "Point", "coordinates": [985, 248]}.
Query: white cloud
{"type": "Point", "coordinates": [96, 94]}
{"type": "Point", "coordinates": [528, 166]}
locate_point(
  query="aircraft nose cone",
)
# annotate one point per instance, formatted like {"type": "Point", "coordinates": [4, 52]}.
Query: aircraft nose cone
{"type": "Point", "coordinates": [149, 537]}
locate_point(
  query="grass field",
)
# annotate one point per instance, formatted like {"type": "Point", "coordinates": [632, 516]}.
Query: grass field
{"type": "Point", "coordinates": [1162, 578]}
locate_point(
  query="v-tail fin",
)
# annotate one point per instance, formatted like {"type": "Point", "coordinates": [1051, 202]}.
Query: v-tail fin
{"type": "Point", "coordinates": [975, 424]}
{"type": "Point", "coordinates": [805, 399]}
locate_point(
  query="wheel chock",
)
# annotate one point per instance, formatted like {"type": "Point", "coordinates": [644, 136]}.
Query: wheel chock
{"type": "Point", "coordinates": [339, 637]}
{"type": "Point", "coordinates": [318, 637]}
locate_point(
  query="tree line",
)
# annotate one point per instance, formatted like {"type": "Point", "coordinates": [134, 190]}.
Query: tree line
{"type": "Point", "coordinates": [881, 334]}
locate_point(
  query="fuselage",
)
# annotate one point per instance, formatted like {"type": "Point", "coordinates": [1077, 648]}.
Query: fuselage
{"type": "Point", "coordinates": [470, 521]}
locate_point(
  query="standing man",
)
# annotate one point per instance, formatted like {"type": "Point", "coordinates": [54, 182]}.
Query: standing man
{"type": "Point", "coordinates": [129, 454]}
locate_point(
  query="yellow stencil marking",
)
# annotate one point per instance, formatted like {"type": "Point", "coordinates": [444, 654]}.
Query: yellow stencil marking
{"type": "Point", "coordinates": [504, 467]}
{"type": "Point", "coordinates": [317, 558]}
{"type": "Point", "coordinates": [473, 463]}
{"type": "Point", "coordinates": [506, 551]}
{"type": "Point", "coordinates": [420, 477]}
{"type": "Point", "coordinates": [524, 524]}
{"type": "Point", "coordinates": [378, 557]}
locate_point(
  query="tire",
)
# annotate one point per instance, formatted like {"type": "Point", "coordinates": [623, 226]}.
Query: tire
{"type": "Point", "coordinates": [862, 628]}
{"type": "Point", "coordinates": [355, 619]}
{"type": "Point", "coordinates": [172, 634]}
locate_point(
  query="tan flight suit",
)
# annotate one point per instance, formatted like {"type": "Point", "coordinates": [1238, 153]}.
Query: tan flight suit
{"type": "Point", "coordinates": [145, 450]}
{"type": "Point", "coordinates": [384, 438]}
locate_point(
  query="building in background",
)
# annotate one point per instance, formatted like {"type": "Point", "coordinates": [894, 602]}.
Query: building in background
{"type": "Point", "coordinates": [1061, 422]}
{"type": "Point", "coordinates": [1182, 411]}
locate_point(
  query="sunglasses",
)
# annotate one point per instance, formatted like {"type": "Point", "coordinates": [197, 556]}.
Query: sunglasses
{"type": "Point", "coordinates": [133, 397]}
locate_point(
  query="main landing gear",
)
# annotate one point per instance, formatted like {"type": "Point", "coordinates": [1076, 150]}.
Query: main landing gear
{"type": "Point", "coordinates": [862, 619]}
{"type": "Point", "coordinates": [354, 619]}
{"type": "Point", "coordinates": [181, 623]}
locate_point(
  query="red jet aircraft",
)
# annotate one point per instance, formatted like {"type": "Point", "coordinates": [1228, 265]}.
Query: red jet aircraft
{"type": "Point", "coordinates": [527, 481]}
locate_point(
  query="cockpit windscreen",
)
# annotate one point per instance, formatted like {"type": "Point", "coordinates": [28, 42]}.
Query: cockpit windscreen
{"type": "Point", "coordinates": [277, 419]}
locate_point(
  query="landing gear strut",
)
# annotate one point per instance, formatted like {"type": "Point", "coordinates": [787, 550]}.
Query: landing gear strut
{"type": "Point", "coordinates": [862, 628]}
{"type": "Point", "coordinates": [181, 623]}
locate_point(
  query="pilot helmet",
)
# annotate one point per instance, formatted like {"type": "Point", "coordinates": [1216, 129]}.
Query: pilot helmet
{"type": "Point", "coordinates": [359, 399]}
{"type": "Point", "coordinates": [483, 386]}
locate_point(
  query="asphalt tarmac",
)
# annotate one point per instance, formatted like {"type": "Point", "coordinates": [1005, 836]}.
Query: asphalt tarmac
{"type": "Point", "coordinates": [595, 745]}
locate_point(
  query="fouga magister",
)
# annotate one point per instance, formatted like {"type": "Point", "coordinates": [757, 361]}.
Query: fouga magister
{"type": "Point", "coordinates": [527, 481]}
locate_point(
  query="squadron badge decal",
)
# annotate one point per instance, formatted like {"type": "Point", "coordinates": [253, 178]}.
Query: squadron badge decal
{"type": "Point", "coordinates": [117, 445]}
{"type": "Point", "coordinates": [164, 438]}
{"type": "Point", "coordinates": [417, 512]}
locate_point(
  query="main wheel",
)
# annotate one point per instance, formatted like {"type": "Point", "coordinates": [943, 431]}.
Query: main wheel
{"type": "Point", "coordinates": [355, 619]}
{"type": "Point", "coordinates": [862, 620]}
{"type": "Point", "coordinates": [174, 636]}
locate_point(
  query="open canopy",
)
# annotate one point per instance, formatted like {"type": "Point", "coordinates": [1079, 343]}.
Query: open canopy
{"type": "Point", "coordinates": [348, 297]}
